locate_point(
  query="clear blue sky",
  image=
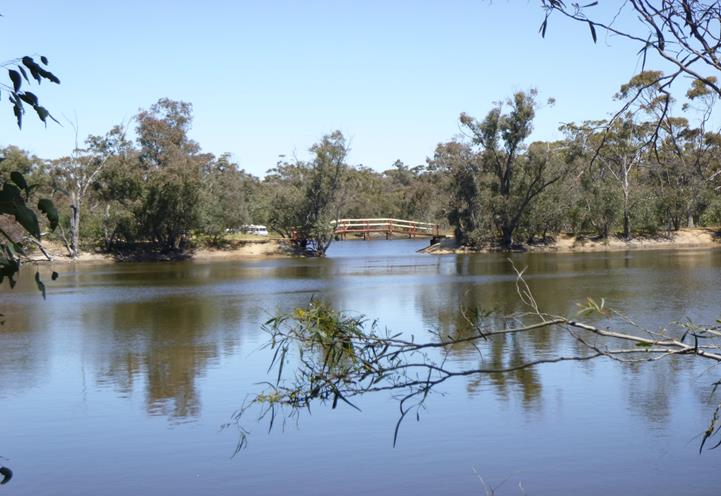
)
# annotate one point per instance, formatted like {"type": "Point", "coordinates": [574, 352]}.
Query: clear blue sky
{"type": "Point", "coordinates": [270, 77]}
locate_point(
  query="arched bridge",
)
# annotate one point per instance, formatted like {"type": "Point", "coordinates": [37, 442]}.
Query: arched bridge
{"type": "Point", "coordinates": [389, 227]}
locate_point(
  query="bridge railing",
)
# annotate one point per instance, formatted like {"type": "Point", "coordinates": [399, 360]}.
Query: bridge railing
{"type": "Point", "coordinates": [387, 225]}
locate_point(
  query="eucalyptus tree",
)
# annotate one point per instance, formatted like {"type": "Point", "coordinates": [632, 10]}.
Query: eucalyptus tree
{"type": "Point", "coordinates": [226, 198]}
{"type": "Point", "coordinates": [684, 35]}
{"type": "Point", "coordinates": [172, 165]}
{"type": "Point", "coordinates": [304, 197]}
{"type": "Point", "coordinates": [618, 149]}
{"type": "Point", "coordinates": [461, 166]}
{"type": "Point", "coordinates": [324, 193]}
{"type": "Point", "coordinates": [549, 213]}
{"type": "Point", "coordinates": [78, 174]}
{"type": "Point", "coordinates": [513, 175]}
{"type": "Point", "coordinates": [282, 196]}
{"type": "Point", "coordinates": [417, 192]}
{"type": "Point", "coordinates": [371, 194]}
{"type": "Point", "coordinates": [33, 168]}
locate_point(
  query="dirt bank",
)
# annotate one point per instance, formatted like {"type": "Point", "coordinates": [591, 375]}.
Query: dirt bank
{"type": "Point", "coordinates": [565, 243]}
{"type": "Point", "coordinates": [246, 249]}
{"type": "Point", "coordinates": [237, 250]}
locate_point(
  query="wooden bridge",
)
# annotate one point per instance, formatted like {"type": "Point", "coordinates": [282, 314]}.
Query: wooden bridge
{"type": "Point", "coordinates": [389, 227]}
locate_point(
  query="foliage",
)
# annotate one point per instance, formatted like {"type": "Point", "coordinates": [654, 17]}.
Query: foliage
{"type": "Point", "coordinates": [23, 69]}
{"type": "Point", "coordinates": [496, 178]}
{"type": "Point", "coordinates": [325, 356]}
{"type": "Point", "coordinates": [679, 33]}
{"type": "Point", "coordinates": [15, 197]}
{"type": "Point", "coordinates": [225, 198]}
{"type": "Point", "coordinates": [171, 168]}
{"type": "Point", "coordinates": [308, 196]}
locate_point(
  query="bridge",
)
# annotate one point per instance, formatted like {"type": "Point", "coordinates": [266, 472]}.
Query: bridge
{"type": "Point", "coordinates": [389, 227]}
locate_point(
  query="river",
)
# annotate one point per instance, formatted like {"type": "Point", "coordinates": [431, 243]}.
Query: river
{"type": "Point", "coordinates": [120, 381]}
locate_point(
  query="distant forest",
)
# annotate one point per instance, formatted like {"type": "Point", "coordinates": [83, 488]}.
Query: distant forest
{"type": "Point", "coordinates": [649, 169]}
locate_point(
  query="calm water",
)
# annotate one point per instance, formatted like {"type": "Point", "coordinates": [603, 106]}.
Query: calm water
{"type": "Point", "coordinates": [120, 381]}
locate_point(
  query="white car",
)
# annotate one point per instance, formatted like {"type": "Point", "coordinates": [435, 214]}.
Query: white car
{"type": "Point", "coordinates": [258, 230]}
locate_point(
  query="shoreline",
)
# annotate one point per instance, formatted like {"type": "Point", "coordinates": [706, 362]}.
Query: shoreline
{"type": "Point", "coordinates": [240, 250]}
{"type": "Point", "coordinates": [683, 239]}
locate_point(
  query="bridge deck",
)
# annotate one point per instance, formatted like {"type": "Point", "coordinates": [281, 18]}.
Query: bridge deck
{"type": "Point", "coordinates": [385, 226]}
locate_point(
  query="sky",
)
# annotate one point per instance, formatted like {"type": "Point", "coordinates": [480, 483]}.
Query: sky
{"type": "Point", "coordinates": [270, 78]}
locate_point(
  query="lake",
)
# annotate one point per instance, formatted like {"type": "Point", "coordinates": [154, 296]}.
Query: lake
{"type": "Point", "coordinates": [120, 381]}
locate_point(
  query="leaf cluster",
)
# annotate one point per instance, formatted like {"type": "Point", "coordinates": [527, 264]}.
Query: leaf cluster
{"type": "Point", "coordinates": [14, 198]}
{"type": "Point", "coordinates": [21, 71]}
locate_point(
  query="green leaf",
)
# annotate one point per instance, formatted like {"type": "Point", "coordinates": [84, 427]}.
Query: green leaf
{"type": "Point", "coordinates": [52, 77]}
{"type": "Point", "coordinates": [16, 79]}
{"type": "Point", "coordinates": [28, 220]}
{"type": "Point", "coordinates": [593, 31]}
{"type": "Point", "coordinates": [22, 71]}
{"type": "Point", "coordinates": [43, 114]}
{"type": "Point", "coordinates": [29, 98]}
{"type": "Point", "coordinates": [18, 179]}
{"type": "Point", "coordinates": [18, 111]}
{"type": "Point", "coordinates": [47, 207]}
{"type": "Point", "coordinates": [33, 67]}
{"type": "Point", "coordinates": [9, 198]}
{"type": "Point", "coordinates": [44, 59]}
{"type": "Point", "coordinates": [644, 345]}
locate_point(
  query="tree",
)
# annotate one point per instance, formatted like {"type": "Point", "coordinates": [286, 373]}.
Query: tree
{"type": "Point", "coordinates": [282, 191]}
{"type": "Point", "coordinates": [226, 198]}
{"type": "Point", "coordinates": [308, 196]}
{"type": "Point", "coordinates": [78, 173]}
{"type": "Point", "coordinates": [171, 165]}
{"type": "Point", "coordinates": [462, 166]}
{"type": "Point", "coordinates": [514, 175]}
{"type": "Point", "coordinates": [683, 34]}
{"type": "Point", "coordinates": [619, 151]}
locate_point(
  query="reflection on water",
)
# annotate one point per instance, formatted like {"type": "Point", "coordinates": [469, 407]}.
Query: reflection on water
{"type": "Point", "coordinates": [117, 348]}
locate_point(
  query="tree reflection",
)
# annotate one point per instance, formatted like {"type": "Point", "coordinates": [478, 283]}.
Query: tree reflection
{"type": "Point", "coordinates": [166, 345]}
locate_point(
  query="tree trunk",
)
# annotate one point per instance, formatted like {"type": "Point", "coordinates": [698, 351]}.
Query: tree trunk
{"type": "Point", "coordinates": [626, 224]}
{"type": "Point", "coordinates": [506, 237]}
{"type": "Point", "coordinates": [106, 229]}
{"type": "Point", "coordinates": [626, 194]}
{"type": "Point", "coordinates": [75, 228]}
{"type": "Point", "coordinates": [689, 216]}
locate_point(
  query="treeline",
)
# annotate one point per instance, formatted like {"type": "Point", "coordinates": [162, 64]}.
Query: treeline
{"type": "Point", "coordinates": [644, 171]}
{"type": "Point", "coordinates": [160, 191]}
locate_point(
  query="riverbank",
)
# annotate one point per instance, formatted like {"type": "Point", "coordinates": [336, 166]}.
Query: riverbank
{"type": "Point", "coordinates": [234, 250]}
{"type": "Point", "coordinates": [700, 238]}
{"type": "Point", "coordinates": [683, 239]}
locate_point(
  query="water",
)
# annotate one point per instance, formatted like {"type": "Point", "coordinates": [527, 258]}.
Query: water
{"type": "Point", "coordinates": [120, 381]}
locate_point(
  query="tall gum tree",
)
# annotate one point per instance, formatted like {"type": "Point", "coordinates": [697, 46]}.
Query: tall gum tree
{"type": "Point", "coordinates": [517, 177]}
{"type": "Point", "coordinates": [172, 166]}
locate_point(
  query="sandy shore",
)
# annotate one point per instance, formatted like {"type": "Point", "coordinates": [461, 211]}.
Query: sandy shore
{"type": "Point", "coordinates": [246, 249]}
{"type": "Point", "coordinates": [564, 243]}
{"type": "Point", "coordinates": [275, 248]}
{"type": "Point", "coordinates": [239, 250]}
